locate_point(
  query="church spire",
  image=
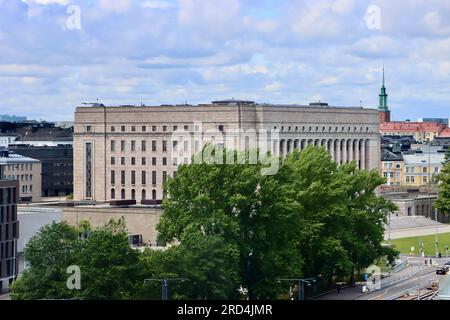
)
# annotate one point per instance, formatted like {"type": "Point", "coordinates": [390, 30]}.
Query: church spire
{"type": "Point", "coordinates": [383, 97]}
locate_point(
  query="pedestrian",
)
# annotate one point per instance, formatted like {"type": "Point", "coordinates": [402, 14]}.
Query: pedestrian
{"type": "Point", "coordinates": [338, 288]}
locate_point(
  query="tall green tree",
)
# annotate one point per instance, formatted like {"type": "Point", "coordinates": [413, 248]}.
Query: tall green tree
{"type": "Point", "coordinates": [234, 203]}
{"type": "Point", "coordinates": [443, 200]}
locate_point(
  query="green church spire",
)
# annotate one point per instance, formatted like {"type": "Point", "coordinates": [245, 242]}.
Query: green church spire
{"type": "Point", "coordinates": [383, 97]}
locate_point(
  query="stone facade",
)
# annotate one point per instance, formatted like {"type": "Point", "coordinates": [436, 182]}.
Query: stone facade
{"type": "Point", "coordinates": [127, 152]}
{"type": "Point", "coordinates": [140, 220]}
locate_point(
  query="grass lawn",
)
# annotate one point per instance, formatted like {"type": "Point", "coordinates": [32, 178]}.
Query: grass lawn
{"type": "Point", "coordinates": [404, 245]}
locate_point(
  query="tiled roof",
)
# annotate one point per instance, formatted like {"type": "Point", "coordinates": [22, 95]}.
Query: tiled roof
{"type": "Point", "coordinates": [408, 126]}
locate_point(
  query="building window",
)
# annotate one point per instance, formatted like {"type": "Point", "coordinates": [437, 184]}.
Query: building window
{"type": "Point", "coordinates": [133, 177]}
{"type": "Point", "coordinates": [153, 128]}
{"type": "Point", "coordinates": [164, 161]}
{"type": "Point", "coordinates": [164, 177]}
{"type": "Point", "coordinates": [144, 128]}
{"type": "Point", "coordinates": [122, 161]}
{"type": "Point", "coordinates": [164, 128]}
{"type": "Point", "coordinates": [186, 128]}
{"type": "Point", "coordinates": [122, 146]}
{"type": "Point", "coordinates": [143, 178]}
{"type": "Point", "coordinates": [143, 146]}
{"type": "Point", "coordinates": [113, 146]}
{"type": "Point", "coordinates": [153, 161]}
{"type": "Point", "coordinates": [154, 194]}
{"type": "Point", "coordinates": [153, 177]}
{"type": "Point", "coordinates": [122, 177]}
{"type": "Point", "coordinates": [175, 128]}
{"type": "Point", "coordinates": [133, 128]}
{"type": "Point", "coordinates": [143, 195]}
{"type": "Point", "coordinates": [113, 161]}
{"type": "Point", "coordinates": [164, 146]}
{"type": "Point", "coordinates": [174, 174]}
{"type": "Point", "coordinates": [174, 146]}
{"type": "Point", "coordinates": [88, 128]}
{"type": "Point", "coordinates": [221, 127]}
{"type": "Point", "coordinates": [113, 193]}
{"type": "Point", "coordinates": [122, 128]}
{"type": "Point", "coordinates": [133, 146]}
{"type": "Point", "coordinates": [88, 169]}
{"type": "Point", "coordinates": [113, 177]}
{"type": "Point", "coordinates": [133, 161]}
{"type": "Point", "coordinates": [113, 129]}
{"type": "Point", "coordinates": [143, 161]}
{"type": "Point", "coordinates": [175, 161]}
{"type": "Point", "coordinates": [122, 194]}
{"type": "Point", "coordinates": [133, 194]}
{"type": "Point", "coordinates": [153, 145]}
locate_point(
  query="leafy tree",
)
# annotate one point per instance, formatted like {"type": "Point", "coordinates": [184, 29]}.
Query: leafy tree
{"type": "Point", "coordinates": [48, 255]}
{"type": "Point", "coordinates": [110, 268]}
{"type": "Point", "coordinates": [443, 200]}
{"type": "Point", "coordinates": [234, 203]}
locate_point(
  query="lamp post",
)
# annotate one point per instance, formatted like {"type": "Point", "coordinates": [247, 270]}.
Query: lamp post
{"type": "Point", "coordinates": [164, 286]}
{"type": "Point", "coordinates": [301, 285]}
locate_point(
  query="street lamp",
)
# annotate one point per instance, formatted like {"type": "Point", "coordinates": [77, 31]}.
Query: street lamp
{"type": "Point", "coordinates": [301, 285]}
{"type": "Point", "coordinates": [164, 286]}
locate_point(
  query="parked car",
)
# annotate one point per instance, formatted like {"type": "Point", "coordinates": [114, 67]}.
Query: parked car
{"type": "Point", "coordinates": [441, 270]}
{"type": "Point", "coordinates": [447, 263]}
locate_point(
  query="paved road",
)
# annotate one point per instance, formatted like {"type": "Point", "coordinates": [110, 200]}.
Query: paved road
{"type": "Point", "coordinates": [407, 280]}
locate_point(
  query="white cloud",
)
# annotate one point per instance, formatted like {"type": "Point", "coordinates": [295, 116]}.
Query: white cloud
{"type": "Point", "coordinates": [157, 4]}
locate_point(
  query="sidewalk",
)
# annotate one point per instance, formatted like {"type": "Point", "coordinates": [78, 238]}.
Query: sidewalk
{"type": "Point", "coordinates": [348, 293]}
{"type": "Point", "coordinates": [4, 296]}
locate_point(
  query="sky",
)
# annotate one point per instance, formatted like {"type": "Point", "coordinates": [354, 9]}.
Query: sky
{"type": "Point", "coordinates": [56, 54]}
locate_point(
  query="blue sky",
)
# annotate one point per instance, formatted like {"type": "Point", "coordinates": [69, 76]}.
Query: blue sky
{"type": "Point", "coordinates": [196, 51]}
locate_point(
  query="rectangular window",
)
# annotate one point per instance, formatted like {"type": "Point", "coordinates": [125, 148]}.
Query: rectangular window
{"type": "Point", "coordinates": [88, 128]}
{"type": "Point", "coordinates": [122, 128]}
{"type": "Point", "coordinates": [153, 128]}
{"type": "Point", "coordinates": [143, 145]}
{"type": "Point", "coordinates": [122, 161]}
{"type": "Point", "coordinates": [133, 128]}
{"type": "Point", "coordinates": [133, 177]}
{"type": "Point", "coordinates": [174, 146]}
{"type": "Point", "coordinates": [122, 146]}
{"type": "Point", "coordinates": [144, 128]}
{"type": "Point", "coordinates": [133, 145]}
{"type": "Point", "coordinates": [186, 128]}
{"type": "Point", "coordinates": [122, 177]}
{"type": "Point", "coordinates": [221, 127]}
{"type": "Point", "coordinates": [113, 161]}
{"type": "Point", "coordinates": [113, 129]}
{"type": "Point", "coordinates": [175, 161]}
{"type": "Point", "coordinates": [154, 161]}
{"type": "Point", "coordinates": [143, 161]}
{"type": "Point", "coordinates": [186, 146]}
{"type": "Point", "coordinates": [164, 146]}
{"type": "Point", "coordinates": [143, 177]}
{"type": "Point", "coordinates": [113, 177]}
{"type": "Point", "coordinates": [164, 128]}
{"type": "Point", "coordinates": [164, 161]}
{"type": "Point", "coordinates": [153, 145]}
{"type": "Point", "coordinates": [175, 128]}
{"type": "Point", "coordinates": [153, 177]}
{"type": "Point", "coordinates": [164, 177]}
{"type": "Point", "coordinates": [133, 161]}
{"type": "Point", "coordinates": [113, 146]}
{"type": "Point", "coordinates": [88, 169]}
{"type": "Point", "coordinates": [174, 174]}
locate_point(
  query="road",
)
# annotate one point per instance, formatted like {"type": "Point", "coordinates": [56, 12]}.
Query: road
{"type": "Point", "coordinates": [408, 280]}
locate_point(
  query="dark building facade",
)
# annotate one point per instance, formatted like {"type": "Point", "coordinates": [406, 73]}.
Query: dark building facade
{"type": "Point", "coordinates": [57, 167]}
{"type": "Point", "coordinates": [9, 231]}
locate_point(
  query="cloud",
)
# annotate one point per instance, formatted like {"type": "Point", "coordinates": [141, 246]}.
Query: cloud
{"type": "Point", "coordinates": [168, 51]}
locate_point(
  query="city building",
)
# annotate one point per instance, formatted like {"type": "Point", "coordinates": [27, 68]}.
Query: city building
{"type": "Point", "coordinates": [421, 167]}
{"type": "Point", "coordinates": [10, 118]}
{"type": "Point", "coordinates": [7, 139]}
{"type": "Point", "coordinates": [444, 121]}
{"type": "Point", "coordinates": [421, 131]}
{"type": "Point", "coordinates": [392, 167]}
{"type": "Point", "coordinates": [9, 231]}
{"type": "Point", "coordinates": [397, 143]}
{"type": "Point", "coordinates": [127, 152]}
{"type": "Point", "coordinates": [57, 167]}
{"type": "Point", "coordinates": [25, 170]}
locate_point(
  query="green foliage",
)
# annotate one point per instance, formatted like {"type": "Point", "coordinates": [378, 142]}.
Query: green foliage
{"type": "Point", "coordinates": [109, 266]}
{"type": "Point", "coordinates": [443, 200]}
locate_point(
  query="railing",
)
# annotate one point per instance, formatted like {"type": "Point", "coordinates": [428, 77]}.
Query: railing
{"type": "Point", "coordinates": [402, 265]}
